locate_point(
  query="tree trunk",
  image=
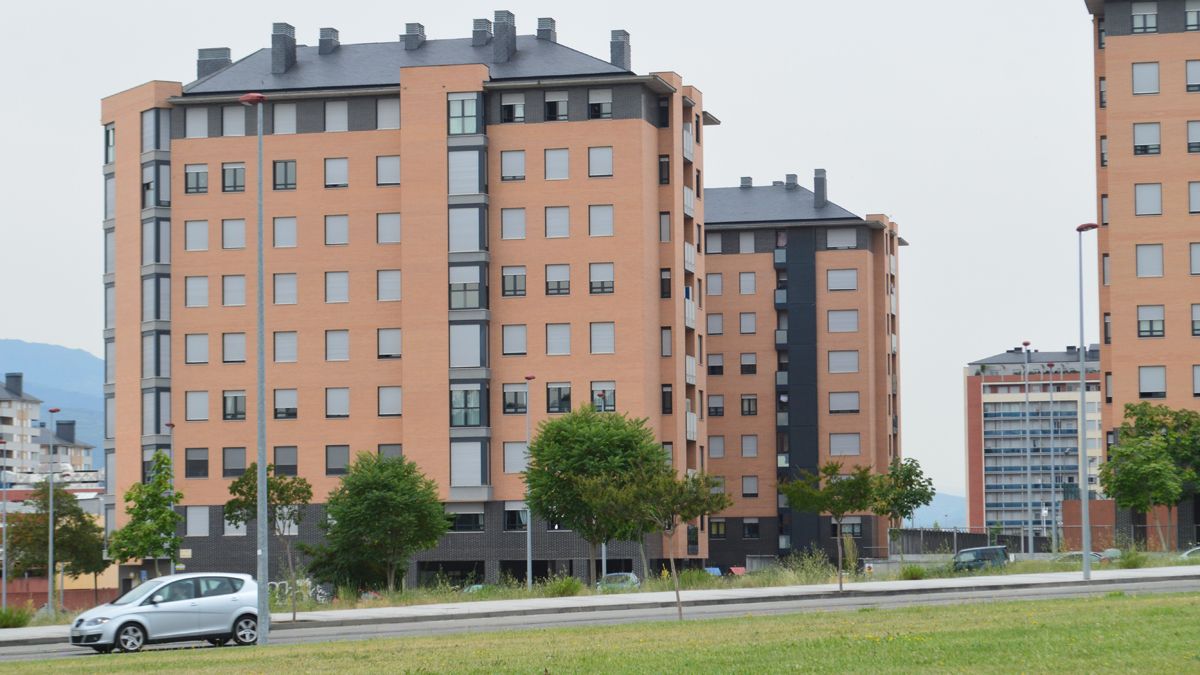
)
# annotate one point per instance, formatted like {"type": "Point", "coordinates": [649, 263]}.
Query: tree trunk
{"type": "Point", "coordinates": [157, 571]}
{"type": "Point", "coordinates": [674, 575]}
{"type": "Point", "coordinates": [95, 589]}
{"type": "Point", "coordinates": [391, 577]}
{"type": "Point", "coordinates": [1162, 540]}
{"type": "Point", "coordinates": [839, 548]}
{"type": "Point", "coordinates": [642, 551]}
{"type": "Point", "coordinates": [591, 570]}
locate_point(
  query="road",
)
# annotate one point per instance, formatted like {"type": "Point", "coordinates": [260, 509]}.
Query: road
{"type": "Point", "coordinates": [601, 618]}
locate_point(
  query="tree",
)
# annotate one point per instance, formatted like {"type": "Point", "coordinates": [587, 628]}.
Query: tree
{"type": "Point", "coordinates": [900, 492]}
{"type": "Point", "coordinates": [1140, 475]}
{"type": "Point", "coordinates": [830, 491]}
{"type": "Point", "coordinates": [287, 499]}
{"type": "Point", "coordinates": [583, 445]}
{"type": "Point", "coordinates": [153, 521]}
{"type": "Point", "coordinates": [78, 540]}
{"type": "Point", "coordinates": [383, 512]}
{"type": "Point", "coordinates": [1179, 429]}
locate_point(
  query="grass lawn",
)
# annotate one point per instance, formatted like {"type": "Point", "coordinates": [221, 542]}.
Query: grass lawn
{"type": "Point", "coordinates": [1152, 633]}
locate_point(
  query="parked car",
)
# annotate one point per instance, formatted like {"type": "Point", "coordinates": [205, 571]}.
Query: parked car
{"type": "Point", "coordinates": [618, 581]}
{"type": "Point", "coordinates": [980, 558]}
{"type": "Point", "coordinates": [1077, 557]}
{"type": "Point", "coordinates": [1191, 554]}
{"type": "Point", "coordinates": [215, 607]}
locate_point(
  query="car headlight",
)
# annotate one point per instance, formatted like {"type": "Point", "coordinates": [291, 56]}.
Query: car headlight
{"type": "Point", "coordinates": [98, 621]}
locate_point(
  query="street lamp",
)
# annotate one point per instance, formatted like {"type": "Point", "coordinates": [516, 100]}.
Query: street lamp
{"type": "Point", "coordinates": [1053, 475]}
{"type": "Point", "coordinates": [1084, 516]}
{"type": "Point", "coordinates": [1028, 454]}
{"type": "Point", "coordinates": [4, 535]}
{"type": "Point", "coordinates": [263, 570]}
{"type": "Point", "coordinates": [528, 512]}
{"type": "Point", "coordinates": [50, 546]}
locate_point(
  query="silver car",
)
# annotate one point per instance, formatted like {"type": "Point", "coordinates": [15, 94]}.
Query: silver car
{"type": "Point", "coordinates": [214, 607]}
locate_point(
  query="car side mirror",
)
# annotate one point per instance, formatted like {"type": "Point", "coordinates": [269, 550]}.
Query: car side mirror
{"type": "Point", "coordinates": [156, 599]}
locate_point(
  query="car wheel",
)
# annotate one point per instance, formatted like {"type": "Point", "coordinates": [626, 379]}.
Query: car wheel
{"type": "Point", "coordinates": [218, 641]}
{"type": "Point", "coordinates": [131, 637]}
{"type": "Point", "coordinates": [245, 630]}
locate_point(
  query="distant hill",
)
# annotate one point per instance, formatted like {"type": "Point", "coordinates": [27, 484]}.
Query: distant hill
{"type": "Point", "coordinates": [946, 510]}
{"type": "Point", "coordinates": [70, 379]}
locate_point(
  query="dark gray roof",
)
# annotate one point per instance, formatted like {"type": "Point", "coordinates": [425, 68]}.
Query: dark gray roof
{"type": "Point", "coordinates": [45, 437]}
{"type": "Point", "coordinates": [6, 394]}
{"type": "Point", "coordinates": [1016, 357]}
{"type": "Point", "coordinates": [764, 204]}
{"type": "Point", "coordinates": [379, 64]}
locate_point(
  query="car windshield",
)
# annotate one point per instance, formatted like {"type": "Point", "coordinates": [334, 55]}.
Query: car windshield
{"type": "Point", "coordinates": [137, 593]}
{"type": "Point", "coordinates": [970, 556]}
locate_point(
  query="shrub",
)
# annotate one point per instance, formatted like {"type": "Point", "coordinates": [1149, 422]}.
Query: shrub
{"type": "Point", "coordinates": [16, 617]}
{"type": "Point", "coordinates": [694, 578]}
{"type": "Point", "coordinates": [810, 566]}
{"type": "Point", "coordinates": [913, 573]}
{"type": "Point", "coordinates": [1132, 558]}
{"type": "Point", "coordinates": [562, 586]}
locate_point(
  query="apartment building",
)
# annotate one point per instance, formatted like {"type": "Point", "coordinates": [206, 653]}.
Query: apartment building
{"type": "Point", "coordinates": [802, 359]}
{"type": "Point", "coordinates": [462, 236]}
{"type": "Point", "coordinates": [19, 412]}
{"type": "Point", "coordinates": [1023, 459]}
{"type": "Point", "coordinates": [1147, 83]}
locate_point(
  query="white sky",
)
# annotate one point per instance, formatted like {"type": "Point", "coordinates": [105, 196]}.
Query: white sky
{"type": "Point", "coordinates": [970, 123]}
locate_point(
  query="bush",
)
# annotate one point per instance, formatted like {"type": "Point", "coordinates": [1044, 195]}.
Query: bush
{"type": "Point", "coordinates": [913, 573]}
{"type": "Point", "coordinates": [810, 566]}
{"type": "Point", "coordinates": [690, 579]}
{"type": "Point", "coordinates": [561, 587]}
{"type": "Point", "coordinates": [16, 617]}
{"type": "Point", "coordinates": [1131, 559]}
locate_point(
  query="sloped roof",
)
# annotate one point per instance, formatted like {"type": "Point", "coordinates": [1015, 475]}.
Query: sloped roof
{"type": "Point", "coordinates": [1017, 357]}
{"type": "Point", "coordinates": [766, 203]}
{"type": "Point", "coordinates": [46, 437]}
{"type": "Point", "coordinates": [7, 394]}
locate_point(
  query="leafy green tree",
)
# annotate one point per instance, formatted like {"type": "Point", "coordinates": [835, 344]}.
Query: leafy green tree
{"type": "Point", "coordinates": [78, 540]}
{"type": "Point", "coordinates": [900, 492]}
{"type": "Point", "coordinates": [830, 491]}
{"type": "Point", "coordinates": [583, 445]}
{"type": "Point", "coordinates": [383, 512]}
{"type": "Point", "coordinates": [287, 499]}
{"type": "Point", "coordinates": [1180, 432]}
{"type": "Point", "coordinates": [151, 531]}
{"type": "Point", "coordinates": [1140, 474]}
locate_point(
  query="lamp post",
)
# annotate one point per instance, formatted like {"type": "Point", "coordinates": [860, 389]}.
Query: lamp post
{"type": "Point", "coordinates": [4, 542]}
{"type": "Point", "coordinates": [50, 546]}
{"type": "Point", "coordinates": [1084, 516]}
{"type": "Point", "coordinates": [263, 568]}
{"type": "Point", "coordinates": [528, 512]}
{"type": "Point", "coordinates": [1053, 475]}
{"type": "Point", "coordinates": [1028, 454]}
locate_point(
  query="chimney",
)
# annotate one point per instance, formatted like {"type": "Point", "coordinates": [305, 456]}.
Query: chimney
{"type": "Point", "coordinates": [481, 32]}
{"type": "Point", "coordinates": [414, 35]}
{"type": "Point", "coordinates": [747, 181]}
{"type": "Point", "coordinates": [209, 61]}
{"type": "Point", "coordinates": [820, 190]}
{"type": "Point", "coordinates": [789, 181]}
{"type": "Point", "coordinates": [504, 45]}
{"type": "Point", "coordinates": [14, 383]}
{"type": "Point", "coordinates": [619, 54]}
{"type": "Point", "coordinates": [546, 30]}
{"type": "Point", "coordinates": [329, 41]}
{"type": "Point", "coordinates": [283, 47]}
{"type": "Point", "coordinates": [65, 429]}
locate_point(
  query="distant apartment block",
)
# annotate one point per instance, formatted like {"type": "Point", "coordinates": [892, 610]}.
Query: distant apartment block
{"type": "Point", "coordinates": [29, 444]}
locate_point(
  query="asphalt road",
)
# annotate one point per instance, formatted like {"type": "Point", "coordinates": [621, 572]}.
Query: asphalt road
{"type": "Point", "coordinates": [331, 633]}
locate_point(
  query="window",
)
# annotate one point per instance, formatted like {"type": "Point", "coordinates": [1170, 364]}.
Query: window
{"type": "Point", "coordinates": [516, 398]}
{"type": "Point", "coordinates": [712, 242]}
{"type": "Point", "coordinates": [600, 277]}
{"type": "Point", "coordinates": [1107, 328]}
{"type": "Point", "coordinates": [843, 402]}
{"type": "Point", "coordinates": [233, 234]}
{"type": "Point", "coordinates": [600, 162]}
{"type": "Point", "coordinates": [110, 143]}
{"type": "Point", "coordinates": [747, 283]}
{"type": "Point", "coordinates": [512, 107]}
{"type": "Point", "coordinates": [842, 280]}
{"type": "Point", "coordinates": [195, 179]}
{"type": "Point", "coordinates": [516, 456]}
{"type": "Point", "coordinates": [233, 290]}
{"type": "Point", "coordinates": [512, 165]}
{"type": "Point", "coordinates": [195, 463]}
{"type": "Point", "coordinates": [665, 341]}
{"type": "Point", "coordinates": [1145, 17]}
{"type": "Point", "coordinates": [195, 406]}
{"type": "Point", "coordinates": [716, 528]}
{"type": "Point", "coordinates": [285, 347]}
{"type": "Point", "coordinates": [388, 343]}
{"type": "Point", "coordinates": [195, 122]}
{"type": "Point", "coordinates": [749, 405]}
{"type": "Point", "coordinates": [466, 345]}
{"type": "Point", "coordinates": [747, 323]}
{"type": "Point", "coordinates": [1196, 381]}
{"type": "Point", "coordinates": [467, 522]}
{"type": "Point", "coordinates": [557, 164]}
{"type": "Point", "coordinates": [337, 230]}
{"type": "Point", "coordinates": [556, 106]}
{"type": "Point", "coordinates": [668, 399]}
{"type": "Point", "coordinates": [604, 396]}
{"type": "Point", "coordinates": [664, 283]}
{"type": "Point", "coordinates": [156, 241]}
{"type": "Point", "coordinates": [558, 222]}
{"type": "Point", "coordinates": [1194, 258]}
{"type": "Point", "coordinates": [1152, 381]}
{"type": "Point", "coordinates": [715, 282]}
{"type": "Point", "coordinates": [844, 444]}
{"type": "Point", "coordinates": [284, 232]}
{"type": "Point", "coordinates": [664, 227]}
{"type": "Point", "coordinates": [716, 324]}
{"type": "Point", "coordinates": [285, 460]}
{"type": "Point", "coordinates": [195, 236]}
{"type": "Point", "coordinates": [558, 279]}
{"type": "Point", "coordinates": [337, 402]}
{"type": "Point", "coordinates": [1192, 15]}
{"type": "Point", "coordinates": [387, 228]}
{"type": "Point", "coordinates": [745, 242]}
{"type": "Point", "coordinates": [749, 363]}
{"type": "Point", "coordinates": [387, 170]}
{"type": "Point", "coordinates": [337, 172]}
{"type": "Point", "coordinates": [1195, 320]}
{"type": "Point", "coordinates": [286, 404]}
{"type": "Point", "coordinates": [390, 450]}
{"type": "Point", "coordinates": [664, 169]}
{"type": "Point", "coordinates": [1145, 78]}
{"type": "Point", "coordinates": [337, 460]}
{"type": "Point", "coordinates": [387, 285]}
{"type": "Point", "coordinates": [233, 347]}
{"type": "Point", "coordinates": [1194, 197]}
{"type": "Point", "coordinates": [850, 526]}
{"type": "Point", "coordinates": [1150, 321]}
{"type": "Point", "coordinates": [512, 281]}
{"type": "Point", "coordinates": [285, 289]}
{"type": "Point", "coordinates": [515, 520]}
{"type": "Point", "coordinates": [750, 529]}
{"type": "Point", "coordinates": [513, 340]}
{"type": "Point", "coordinates": [195, 348]}
{"type": "Point", "coordinates": [337, 287]}
{"type": "Point", "coordinates": [1148, 199]}
{"type": "Point", "coordinates": [466, 177]}
{"type": "Point", "coordinates": [716, 405]}
{"type": "Point", "coordinates": [512, 223]}
{"type": "Point", "coordinates": [1104, 209]}
{"type": "Point", "coordinates": [1103, 94]}
{"type": "Point", "coordinates": [1103, 151]}
{"type": "Point", "coordinates": [1146, 138]}
{"type": "Point", "coordinates": [233, 405]}
{"type": "Point", "coordinates": [600, 220]}
{"type": "Point", "coordinates": [465, 287]}
{"type": "Point", "coordinates": [1149, 260]}
{"type": "Point", "coordinates": [283, 117]}
{"type": "Point", "coordinates": [749, 445]}
{"type": "Point", "coordinates": [1105, 269]}
{"type": "Point", "coordinates": [337, 345]}
{"type": "Point", "coordinates": [1193, 140]}
{"type": "Point", "coordinates": [843, 362]}
{"type": "Point", "coordinates": [603, 337]}
{"type": "Point", "coordinates": [600, 104]}
{"type": "Point", "coordinates": [716, 364]}
{"type": "Point", "coordinates": [716, 447]}
{"type": "Point", "coordinates": [196, 525]}
{"type": "Point", "coordinates": [558, 397]}
{"type": "Point", "coordinates": [391, 400]}
{"type": "Point", "coordinates": [336, 116]}
{"type": "Point", "coordinates": [558, 339]}
{"type": "Point", "coordinates": [843, 320]}
{"type": "Point", "coordinates": [387, 113]}
{"type": "Point", "coordinates": [841, 237]}
{"type": "Point", "coordinates": [749, 486]}
{"type": "Point", "coordinates": [464, 113]}
{"type": "Point", "coordinates": [233, 177]}
{"type": "Point", "coordinates": [467, 227]}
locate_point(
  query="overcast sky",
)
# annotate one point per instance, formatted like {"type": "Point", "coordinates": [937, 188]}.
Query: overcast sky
{"type": "Point", "coordinates": [970, 123]}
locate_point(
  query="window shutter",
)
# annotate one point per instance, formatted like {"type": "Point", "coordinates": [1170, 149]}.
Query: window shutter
{"type": "Point", "coordinates": [842, 280]}
{"type": "Point", "coordinates": [465, 345]}
{"type": "Point", "coordinates": [557, 164]}
{"type": "Point", "coordinates": [390, 342]}
{"type": "Point", "coordinates": [233, 120]}
{"type": "Point", "coordinates": [389, 282]}
{"type": "Point", "coordinates": [285, 232]}
{"type": "Point", "coordinates": [1152, 379]}
{"type": "Point", "coordinates": [464, 230]}
{"type": "Point", "coordinates": [843, 320]}
{"type": "Point", "coordinates": [558, 221]}
{"type": "Point", "coordinates": [512, 164]}
{"type": "Point", "coordinates": [466, 464]}
{"type": "Point", "coordinates": [843, 362]}
{"type": "Point", "coordinates": [337, 286]}
{"type": "Point", "coordinates": [844, 444]}
{"type": "Point", "coordinates": [716, 446]}
{"type": "Point", "coordinates": [558, 338]}
{"type": "Point", "coordinates": [600, 161]}
{"type": "Point", "coordinates": [844, 401]}
{"type": "Point", "coordinates": [286, 398]}
{"type": "Point", "coordinates": [1149, 260]}
{"type": "Point", "coordinates": [464, 172]}
{"type": "Point", "coordinates": [556, 96]}
{"type": "Point", "coordinates": [196, 403]}
{"type": "Point", "coordinates": [337, 229]}
{"type": "Point", "coordinates": [285, 347]}
{"type": "Point", "coordinates": [336, 117]}
{"type": "Point", "coordinates": [390, 400]}
{"type": "Point", "coordinates": [387, 113]}
{"type": "Point", "coordinates": [599, 96]}
{"type": "Point", "coordinates": [601, 272]}
{"type": "Point", "coordinates": [337, 402]}
{"type": "Point", "coordinates": [841, 237]}
{"type": "Point", "coordinates": [745, 242]}
{"type": "Point", "coordinates": [196, 122]}
{"type": "Point", "coordinates": [337, 345]}
{"type": "Point", "coordinates": [284, 115]}
{"type": "Point", "coordinates": [387, 170]}
{"type": "Point", "coordinates": [387, 228]}
{"type": "Point", "coordinates": [337, 172]}
{"type": "Point", "coordinates": [600, 220]}
{"type": "Point", "coordinates": [603, 338]}
{"type": "Point", "coordinates": [514, 339]}
{"type": "Point", "coordinates": [285, 289]}
{"type": "Point", "coordinates": [512, 223]}
{"type": "Point", "coordinates": [516, 456]}
{"type": "Point", "coordinates": [196, 291]}
{"type": "Point", "coordinates": [234, 347]}
{"type": "Point", "coordinates": [558, 272]}
{"type": "Point", "coordinates": [196, 348]}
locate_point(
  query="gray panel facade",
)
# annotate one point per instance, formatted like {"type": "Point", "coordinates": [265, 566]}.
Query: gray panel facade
{"type": "Point", "coordinates": [1118, 17]}
{"type": "Point", "coordinates": [362, 111]}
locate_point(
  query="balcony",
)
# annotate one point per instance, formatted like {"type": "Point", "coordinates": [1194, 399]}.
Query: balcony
{"type": "Point", "coordinates": [689, 202]}
{"type": "Point", "coordinates": [781, 419]}
{"type": "Point", "coordinates": [689, 369]}
{"type": "Point", "coordinates": [780, 298]}
{"type": "Point", "coordinates": [780, 258]}
{"type": "Point", "coordinates": [781, 338]}
{"type": "Point", "coordinates": [689, 142]}
{"type": "Point", "coordinates": [689, 257]}
{"type": "Point", "coordinates": [689, 314]}
{"type": "Point", "coordinates": [691, 426]}
{"type": "Point", "coordinates": [781, 378]}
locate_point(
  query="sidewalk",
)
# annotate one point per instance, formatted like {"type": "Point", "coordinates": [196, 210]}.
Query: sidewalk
{"type": "Point", "coordinates": [592, 603]}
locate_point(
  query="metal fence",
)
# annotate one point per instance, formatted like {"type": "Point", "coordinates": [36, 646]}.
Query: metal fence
{"type": "Point", "coordinates": [927, 541]}
{"type": "Point", "coordinates": [1150, 537]}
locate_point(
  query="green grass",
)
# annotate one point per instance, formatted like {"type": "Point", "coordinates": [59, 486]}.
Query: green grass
{"type": "Point", "coordinates": [1153, 633]}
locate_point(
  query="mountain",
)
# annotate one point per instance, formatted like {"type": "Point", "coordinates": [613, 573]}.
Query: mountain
{"type": "Point", "coordinates": [945, 510]}
{"type": "Point", "coordinates": [70, 379]}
